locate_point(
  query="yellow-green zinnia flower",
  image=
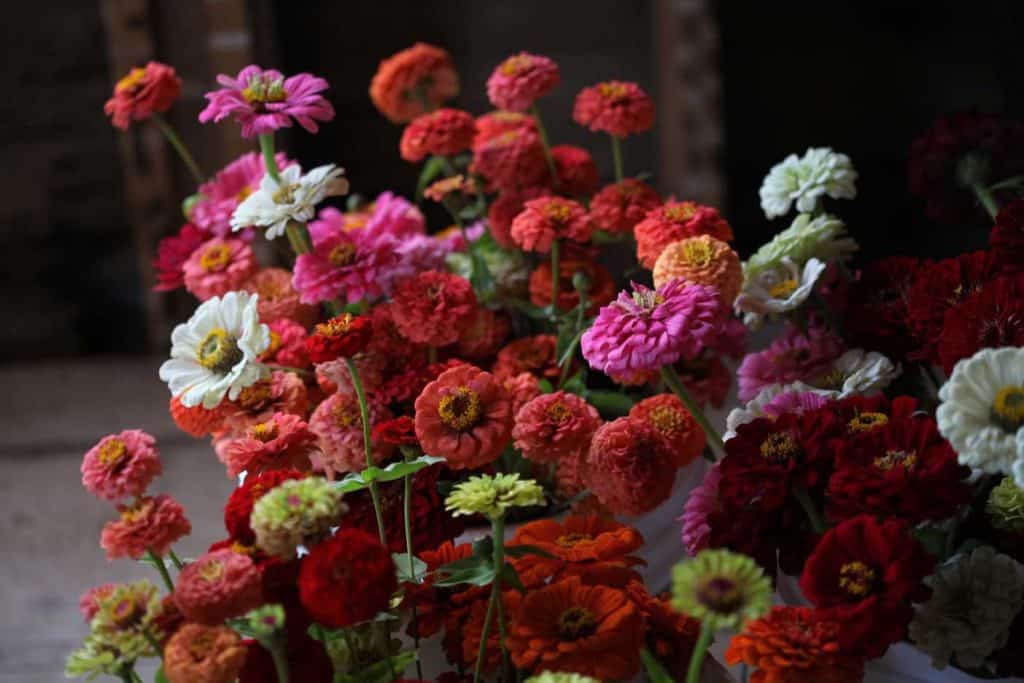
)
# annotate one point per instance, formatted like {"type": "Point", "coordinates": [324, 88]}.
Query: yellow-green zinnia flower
{"type": "Point", "coordinates": [1005, 506]}
{"type": "Point", "coordinates": [492, 495]}
{"type": "Point", "coordinates": [723, 589]}
{"type": "Point", "coordinates": [552, 677]}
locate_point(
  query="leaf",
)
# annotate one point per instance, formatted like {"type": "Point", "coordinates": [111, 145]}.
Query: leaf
{"type": "Point", "coordinates": [545, 385]}
{"type": "Point", "coordinates": [510, 577]}
{"type": "Point", "coordinates": [575, 385]}
{"type": "Point", "coordinates": [396, 470]}
{"type": "Point", "coordinates": [483, 282]}
{"type": "Point", "coordinates": [419, 567]}
{"type": "Point", "coordinates": [160, 676]}
{"type": "Point", "coordinates": [383, 671]}
{"type": "Point", "coordinates": [612, 403]}
{"type": "Point", "coordinates": [570, 350]}
{"type": "Point", "coordinates": [655, 671]}
{"type": "Point", "coordinates": [476, 571]}
{"type": "Point", "coordinates": [523, 550]}
{"type": "Point", "coordinates": [434, 167]}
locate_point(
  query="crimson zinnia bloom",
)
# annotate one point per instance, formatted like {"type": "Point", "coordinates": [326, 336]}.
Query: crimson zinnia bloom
{"type": "Point", "coordinates": [1007, 236]}
{"type": "Point", "coordinates": [675, 221]}
{"type": "Point", "coordinates": [347, 579]}
{"type": "Point", "coordinates": [141, 93]}
{"type": "Point", "coordinates": [520, 80]}
{"type": "Point", "coordinates": [400, 431]}
{"type": "Point", "coordinates": [575, 170]}
{"type": "Point", "coordinates": [432, 307]}
{"type": "Point", "coordinates": [989, 318]}
{"type": "Point", "coordinates": [876, 316]}
{"type": "Point", "coordinates": [340, 337]}
{"type": "Point", "coordinates": [409, 78]}
{"type": "Point", "coordinates": [554, 426]}
{"type": "Point", "coordinates": [444, 132]}
{"type": "Point", "coordinates": [619, 207]}
{"type": "Point", "coordinates": [619, 108]}
{"type": "Point", "coordinates": [465, 417]}
{"type": "Point", "coordinates": [865, 574]}
{"type": "Point", "coordinates": [628, 467]}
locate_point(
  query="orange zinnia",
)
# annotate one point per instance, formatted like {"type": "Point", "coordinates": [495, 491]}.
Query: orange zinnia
{"type": "Point", "coordinates": [794, 645]}
{"type": "Point", "coordinates": [567, 626]}
{"type": "Point", "coordinates": [670, 635]}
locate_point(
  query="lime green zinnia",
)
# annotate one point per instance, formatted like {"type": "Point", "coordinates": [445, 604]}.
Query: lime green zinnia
{"type": "Point", "coordinates": [721, 588]}
{"type": "Point", "coordinates": [296, 512]}
{"type": "Point", "coordinates": [126, 620]}
{"type": "Point", "coordinates": [1005, 506]}
{"type": "Point", "coordinates": [551, 677]}
{"type": "Point", "coordinates": [492, 495]}
{"type": "Point", "coordinates": [95, 658]}
{"type": "Point", "coordinates": [822, 237]}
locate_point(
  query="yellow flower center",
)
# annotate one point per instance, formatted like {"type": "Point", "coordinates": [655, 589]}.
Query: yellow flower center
{"type": "Point", "coordinates": [218, 351]}
{"type": "Point", "coordinates": [137, 511]}
{"type": "Point", "coordinates": [1008, 408]}
{"type": "Point", "coordinates": [575, 623]}
{"type": "Point", "coordinates": [336, 326]}
{"type": "Point", "coordinates": [255, 396]}
{"type": "Point", "coordinates": [782, 289]}
{"type": "Point", "coordinates": [275, 344]}
{"type": "Point", "coordinates": [906, 460]}
{"type": "Point", "coordinates": [263, 89]}
{"type": "Point", "coordinates": [779, 447]}
{"type": "Point", "coordinates": [667, 420]}
{"type": "Point", "coordinates": [865, 422]}
{"type": "Point", "coordinates": [611, 91]}
{"type": "Point", "coordinates": [857, 579]}
{"type": "Point", "coordinates": [558, 412]}
{"type": "Point", "coordinates": [516, 64]}
{"type": "Point", "coordinates": [211, 571]}
{"type": "Point", "coordinates": [215, 257]}
{"type": "Point", "coordinates": [697, 253]}
{"type": "Point", "coordinates": [127, 613]}
{"type": "Point", "coordinates": [346, 415]}
{"type": "Point", "coordinates": [460, 408]}
{"type": "Point", "coordinates": [131, 81]}
{"type": "Point", "coordinates": [570, 540]}
{"type": "Point", "coordinates": [201, 647]}
{"type": "Point", "coordinates": [264, 431]}
{"type": "Point", "coordinates": [112, 452]}
{"type": "Point", "coordinates": [285, 194]}
{"type": "Point", "coordinates": [240, 548]}
{"type": "Point", "coordinates": [557, 211]}
{"type": "Point", "coordinates": [680, 213]}
{"type": "Point", "coordinates": [354, 221]}
{"type": "Point", "coordinates": [342, 255]}
{"type": "Point", "coordinates": [832, 380]}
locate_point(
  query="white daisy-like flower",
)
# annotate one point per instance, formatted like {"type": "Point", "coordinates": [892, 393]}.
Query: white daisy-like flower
{"type": "Point", "coordinates": [981, 412]}
{"type": "Point", "coordinates": [215, 352]}
{"type": "Point", "coordinates": [805, 180]}
{"type": "Point", "coordinates": [856, 372]}
{"type": "Point", "coordinates": [822, 237]}
{"type": "Point", "coordinates": [975, 599]}
{"type": "Point", "coordinates": [294, 199]}
{"type": "Point", "coordinates": [778, 290]}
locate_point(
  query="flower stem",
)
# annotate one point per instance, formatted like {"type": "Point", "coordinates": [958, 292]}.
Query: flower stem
{"type": "Point", "coordinates": [280, 657]}
{"type": "Point", "coordinates": [151, 639]}
{"type": "Point", "coordinates": [179, 146]}
{"type": "Point", "coordinates": [407, 523]}
{"type": "Point", "coordinates": [556, 249]}
{"type": "Point", "coordinates": [986, 198]}
{"type": "Point", "coordinates": [700, 650]}
{"type": "Point", "coordinates": [267, 147]}
{"type": "Point", "coordinates": [364, 414]}
{"type": "Point", "coordinates": [158, 562]}
{"type": "Point", "coordinates": [175, 560]}
{"type": "Point", "coordinates": [535, 112]}
{"type": "Point", "coordinates": [802, 497]}
{"type": "Point", "coordinates": [498, 537]}
{"type": "Point", "coordinates": [617, 158]}
{"type": "Point", "coordinates": [671, 378]}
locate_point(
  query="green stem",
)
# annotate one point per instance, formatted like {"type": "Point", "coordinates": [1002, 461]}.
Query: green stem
{"type": "Point", "coordinates": [986, 198]}
{"type": "Point", "coordinates": [267, 147]}
{"type": "Point", "coordinates": [151, 639]}
{"type": "Point", "coordinates": [298, 238]}
{"type": "Point", "coordinates": [407, 522]}
{"type": "Point", "coordinates": [136, 678]}
{"type": "Point", "coordinates": [555, 254]}
{"type": "Point", "coordinates": [672, 379]}
{"type": "Point", "coordinates": [280, 657]}
{"type": "Point", "coordinates": [617, 158]}
{"type": "Point", "coordinates": [158, 562]}
{"type": "Point", "coordinates": [127, 675]}
{"type": "Point", "coordinates": [699, 652]}
{"type": "Point", "coordinates": [535, 111]}
{"type": "Point", "coordinates": [175, 560]}
{"type": "Point", "coordinates": [364, 414]}
{"type": "Point", "coordinates": [498, 537]}
{"type": "Point", "coordinates": [179, 146]}
{"type": "Point", "coordinates": [802, 497]}
{"type": "Point", "coordinates": [484, 633]}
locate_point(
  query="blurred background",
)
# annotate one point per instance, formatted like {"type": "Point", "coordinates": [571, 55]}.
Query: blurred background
{"type": "Point", "coordinates": [738, 85]}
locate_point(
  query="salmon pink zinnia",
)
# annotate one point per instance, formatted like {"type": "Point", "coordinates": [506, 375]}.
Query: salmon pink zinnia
{"type": "Point", "coordinates": [520, 80]}
{"type": "Point", "coordinates": [554, 426]}
{"type": "Point", "coordinates": [121, 465]}
{"type": "Point", "coordinates": [218, 267]}
{"type": "Point", "coordinates": [619, 108]}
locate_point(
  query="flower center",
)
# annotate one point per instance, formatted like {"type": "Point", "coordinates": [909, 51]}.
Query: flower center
{"type": "Point", "coordinates": [131, 81]}
{"type": "Point", "coordinates": [342, 255]}
{"type": "Point", "coordinates": [896, 458]}
{"type": "Point", "coordinates": [558, 412]}
{"type": "Point", "coordinates": [647, 299]}
{"type": "Point", "coordinates": [255, 396]}
{"type": "Point", "coordinates": [570, 540]}
{"type": "Point", "coordinates": [667, 420]}
{"type": "Point", "coordinates": [215, 257]}
{"type": "Point", "coordinates": [218, 351]}
{"type": "Point", "coordinates": [264, 431]}
{"type": "Point", "coordinates": [857, 579]}
{"type": "Point", "coordinates": [460, 409]}
{"type": "Point", "coordinates": [575, 623]}
{"type": "Point", "coordinates": [782, 289]}
{"type": "Point", "coordinates": [612, 91]}
{"type": "Point", "coordinates": [720, 594]}
{"type": "Point", "coordinates": [832, 380]}
{"type": "Point", "coordinates": [263, 89]}
{"type": "Point", "coordinates": [127, 613]}
{"type": "Point", "coordinates": [201, 647]}
{"type": "Point", "coordinates": [779, 447]}
{"type": "Point", "coordinates": [137, 511]}
{"type": "Point", "coordinates": [865, 422]}
{"type": "Point", "coordinates": [240, 548]}
{"type": "Point", "coordinates": [1008, 408]}
{"type": "Point", "coordinates": [211, 571]}
{"type": "Point", "coordinates": [345, 415]}
{"type": "Point", "coordinates": [557, 212]}
{"type": "Point", "coordinates": [516, 64]}
{"type": "Point", "coordinates": [681, 213]}
{"type": "Point", "coordinates": [697, 253]}
{"type": "Point", "coordinates": [336, 326]}
{"type": "Point", "coordinates": [285, 194]}
{"type": "Point", "coordinates": [112, 452]}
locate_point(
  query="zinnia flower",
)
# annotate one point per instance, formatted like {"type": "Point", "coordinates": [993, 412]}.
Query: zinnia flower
{"type": "Point", "coordinates": [294, 198]}
{"type": "Point", "coordinates": [989, 318]}
{"type": "Point", "coordinates": [560, 677]}
{"type": "Point", "coordinates": [590, 630]}
{"type": "Point", "coordinates": [347, 579]}
{"type": "Point", "coordinates": [982, 411]}
{"type": "Point", "coordinates": [218, 586]}
{"type": "Point", "coordinates": [125, 617]}
{"type": "Point", "coordinates": [295, 512]}
{"type": "Point", "coordinates": [442, 132]}
{"type": "Point", "coordinates": [492, 495]}
{"type": "Point", "coordinates": [794, 645]}
{"type": "Point", "coordinates": [575, 171]}
{"type": "Point", "coordinates": [89, 602]}
{"type": "Point", "coordinates": [265, 101]}
{"type": "Point", "coordinates": [701, 260]}
{"type": "Point", "coordinates": [549, 219]}
{"type": "Point", "coordinates": [628, 467]}
{"type": "Point", "coordinates": [535, 354]}
{"type": "Point", "coordinates": [338, 424]}
{"type": "Point", "coordinates": [702, 501]}
{"type": "Point", "coordinates": [342, 336]}
{"type": "Point", "coordinates": [648, 329]}
{"type": "Point", "coordinates": [876, 315]}
{"type": "Point", "coordinates": [217, 267]}
{"type": "Point", "coordinates": [554, 426]}
{"type": "Point", "coordinates": [144, 91]}
{"type": "Point", "coordinates": [778, 290]}
{"type": "Point", "coordinates": [805, 180]}
{"type": "Point", "coordinates": [855, 372]}
{"type": "Point", "coordinates": [680, 431]}
{"type": "Point", "coordinates": [522, 388]}
{"type": "Point", "coordinates": [282, 442]}
{"type": "Point", "coordinates": [504, 209]}
{"type": "Point", "coordinates": [282, 392]}
{"type": "Point", "coordinates": [407, 79]}
{"type": "Point", "coordinates": [576, 266]}
{"type": "Point", "coordinates": [203, 654]}
{"type": "Point", "coordinates": [220, 196]}
{"type": "Point", "coordinates": [619, 207]}
{"type": "Point", "coordinates": [521, 80]}
{"type": "Point", "coordinates": [721, 588]}
{"type": "Point", "coordinates": [675, 221]}
{"type": "Point", "coordinates": [484, 334]}
{"type": "Point", "coordinates": [121, 465]}
{"type": "Point", "coordinates": [1005, 506]}
{"type": "Point", "coordinates": [195, 421]}
{"type": "Point", "coordinates": [822, 237]}
{"type": "Point", "coordinates": [238, 509]}
{"type": "Point", "coordinates": [214, 354]}
{"type": "Point", "coordinates": [150, 524]}
{"type": "Point", "coordinates": [513, 158]}
{"type": "Point", "coordinates": [619, 108]}
{"type": "Point", "coordinates": [792, 357]}
{"type": "Point", "coordinates": [774, 401]}
{"type": "Point", "coordinates": [287, 344]}
{"type": "Point", "coordinates": [172, 252]}
{"type": "Point", "coordinates": [278, 299]}
{"type": "Point", "coordinates": [431, 307]}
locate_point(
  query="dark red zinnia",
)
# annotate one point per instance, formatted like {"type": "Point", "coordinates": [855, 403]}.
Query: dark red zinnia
{"type": "Point", "coordinates": [876, 316]}
{"type": "Point", "coordinates": [577, 173]}
{"type": "Point", "coordinates": [400, 431]}
{"type": "Point", "coordinates": [1007, 237]}
{"type": "Point", "coordinates": [340, 337]}
{"type": "Point", "coordinates": [990, 317]}
{"type": "Point", "coordinates": [171, 254]}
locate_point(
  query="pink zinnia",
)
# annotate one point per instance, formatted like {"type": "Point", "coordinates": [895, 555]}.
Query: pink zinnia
{"type": "Point", "coordinates": [339, 427]}
{"type": "Point", "coordinates": [790, 358]}
{"type": "Point", "coordinates": [282, 442]}
{"type": "Point", "coordinates": [171, 254]}
{"type": "Point", "coordinates": [265, 101]}
{"type": "Point", "coordinates": [432, 307]}
{"type": "Point", "coordinates": [278, 298]}
{"type": "Point", "coordinates": [121, 465]}
{"type": "Point", "coordinates": [149, 523]}
{"type": "Point", "coordinates": [89, 602]}
{"type": "Point", "coordinates": [219, 197]}
{"type": "Point", "coordinates": [520, 80]}
{"type": "Point", "coordinates": [394, 215]}
{"type": "Point", "coordinates": [794, 402]}
{"type": "Point", "coordinates": [649, 329]}
{"type": "Point", "coordinates": [218, 586]}
{"type": "Point", "coordinates": [218, 267]}
{"type": "Point", "coordinates": [282, 392]}
{"type": "Point", "coordinates": [619, 207]}
{"type": "Point", "coordinates": [546, 219]}
{"type": "Point", "coordinates": [343, 263]}
{"type": "Point", "coordinates": [703, 501]}
{"type": "Point", "coordinates": [287, 344]}
{"type": "Point", "coordinates": [418, 254]}
{"type": "Point", "coordinates": [628, 468]}
{"type": "Point", "coordinates": [554, 426]}
{"type": "Point", "coordinates": [619, 108]}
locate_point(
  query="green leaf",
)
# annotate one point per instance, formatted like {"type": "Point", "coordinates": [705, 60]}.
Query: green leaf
{"type": "Point", "coordinates": [524, 550]}
{"type": "Point", "coordinates": [527, 309]}
{"type": "Point", "coordinates": [419, 567]}
{"type": "Point", "coordinates": [510, 577]}
{"type": "Point", "coordinates": [611, 403]}
{"type": "Point", "coordinates": [160, 676]}
{"type": "Point", "coordinates": [476, 571]}
{"type": "Point", "coordinates": [360, 480]}
{"type": "Point", "coordinates": [484, 547]}
{"type": "Point", "coordinates": [434, 167]}
{"type": "Point", "coordinates": [655, 671]}
{"type": "Point", "coordinates": [483, 282]}
{"type": "Point", "coordinates": [575, 385]}
{"type": "Point", "coordinates": [380, 672]}
{"type": "Point", "coordinates": [545, 385]}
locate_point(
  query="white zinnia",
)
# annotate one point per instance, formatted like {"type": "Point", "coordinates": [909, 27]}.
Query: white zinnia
{"type": "Point", "coordinates": [294, 199]}
{"type": "Point", "coordinates": [856, 372]}
{"type": "Point", "coordinates": [804, 180]}
{"type": "Point", "coordinates": [981, 412]}
{"type": "Point", "coordinates": [215, 352]}
{"type": "Point", "coordinates": [975, 599]}
{"type": "Point", "coordinates": [778, 290]}
{"type": "Point", "coordinates": [822, 237]}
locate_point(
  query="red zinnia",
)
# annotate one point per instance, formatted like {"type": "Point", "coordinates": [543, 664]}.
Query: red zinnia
{"type": "Point", "coordinates": [675, 221]}
{"type": "Point", "coordinates": [683, 436]}
{"type": "Point", "coordinates": [1007, 236]}
{"type": "Point", "coordinates": [575, 170]}
{"type": "Point", "coordinates": [577, 261]}
{"type": "Point", "coordinates": [347, 579]}
{"type": "Point", "coordinates": [407, 79]}
{"type": "Point", "coordinates": [513, 158]}
{"type": "Point", "coordinates": [484, 334]}
{"type": "Point", "coordinates": [432, 307]}
{"type": "Point", "coordinates": [547, 219]}
{"type": "Point", "coordinates": [619, 108]}
{"type": "Point", "coordinates": [495, 123]}
{"type": "Point", "coordinates": [670, 635]}
{"type": "Point", "coordinates": [554, 426]}
{"type": "Point", "coordinates": [218, 585]}
{"type": "Point", "coordinates": [535, 355]}
{"type": "Point", "coordinates": [877, 313]}
{"type": "Point", "coordinates": [520, 80]}
{"type": "Point", "coordinates": [628, 467]}
{"type": "Point", "coordinates": [504, 209]}
{"type": "Point", "coordinates": [619, 207]}
{"type": "Point", "coordinates": [443, 132]}
{"type": "Point", "coordinates": [340, 337]}
{"type": "Point", "coordinates": [400, 431]}
{"type": "Point", "coordinates": [989, 318]}
{"type": "Point", "coordinates": [171, 254]}
{"type": "Point", "coordinates": [143, 92]}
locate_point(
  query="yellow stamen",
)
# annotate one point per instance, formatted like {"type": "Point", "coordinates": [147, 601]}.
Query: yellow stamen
{"type": "Point", "coordinates": [342, 255]}
{"type": "Point", "coordinates": [460, 409]}
{"type": "Point", "coordinates": [557, 211]}
{"type": "Point", "coordinates": [667, 420]}
{"type": "Point", "coordinates": [516, 64]}
{"type": "Point", "coordinates": [696, 252]}
{"type": "Point", "coordinates": [215, 257]}
{"type": "Point", "coordinates": [131, 81]}
{"type": "Point", "coordinates": [264, 431]}
{"type": "Point", "coordinates": [575, 623]}
{"type": "Point", "coordinates": [856, 578]}
{"type": "Point", "coordinates": [570, 540]}
{"type": "Point", "coordinates": [680, 213]}
{"type": "Point", "coordinates": [211, 571]}
{"type": "Point", "coordinates": [558, 412]}
{"type": "Point", "coordinates": [866, 422]}
{"type": "Point", "coordinates": [112, 452]}
{"type": "Point", "coordinates": [1008, 408]}
{"type": "Point", "coordinates": [255, 396]}
{"type": "Point", "coordinates": [611, 91]}
{"type": "Point", "coordinates": [285, 194]}
{"type": "Point", "coordinates": [218, 351]}
{"type": "Point", "coordinates": [336, 326]}
{"type": "Point", "coordinates": [782, 289]}
{"type": "Point", "coordinates": [779, 447]}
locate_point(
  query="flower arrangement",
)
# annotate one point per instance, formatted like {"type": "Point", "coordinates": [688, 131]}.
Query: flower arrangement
{"type": "Point", "coordinates": [389, 386]}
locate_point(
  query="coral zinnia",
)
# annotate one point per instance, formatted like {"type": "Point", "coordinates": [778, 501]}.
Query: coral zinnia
{"type": "Point", "coordinates": [566, 626]}
{"type": "Point", "coordinates": [535, 355]}
{"type": "Point", "coordinates": [628, 467]}
{"type": "Point", "coordinates": [619, 108]}
{"type": "Point", "coordinates": [148, 524]}
{"type": "Point", "coordinates": [171, 254]}
{"type": "Point", "coordinates": [121, 465]}
{"type": "Point", "coordinates": [521, 80]}
{"type": "Point", "coordinates": [575, 170]}
{"type": "Point", "coordinates": [338, 423]}
{"type": "Point", "coordinates": [794, 645]}
{"type": "Point", "coordinates": [701, 260]}
{"type": "Point", "coordinates": [619, 207]}
{"type": "Point", "coordinates": [278, 298]}
{"type": "Point", "coordinates": [647, 329]}
{"type": "Point", "coordinates": [549, 219]}
{"type": "Point", "coordinates": [347, 579]}
{"type": "Point", "coordinates": [143, 92]}
{"type": "Point", "coordinates": [554, 426]}
{"type": "Point", "coordinates": [676, 221]}
{"type": "Point", "coordinates": [465, 417]}
{"type": "Point", "coordinates": [282, 442]}
{"type": "Point", "coordinates": [218, 266]}
{"type": "Point", "coordinates": [683, 436]}
{"type": "Point", "coordinates": [505, 207]}
{"type": "Point", "coordinates": [218, 586]}
{"type": "Point", "coordinates": [442, 132]}
{"type": "Point", "coordinates": [432, 307]}
{"type": "Point", "coordinates": [513, 158]}
{"type": "Point", "coordinates": [203, 654]}
{"type": "Point", "coordinates": [407, 80]}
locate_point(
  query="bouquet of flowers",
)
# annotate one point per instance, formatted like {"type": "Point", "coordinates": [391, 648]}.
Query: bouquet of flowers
{"type": "Point", "coordinates": [433, 432]}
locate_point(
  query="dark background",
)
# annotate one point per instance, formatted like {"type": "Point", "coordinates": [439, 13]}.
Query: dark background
{"type": "Point", "coordinates": [862, 77]}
